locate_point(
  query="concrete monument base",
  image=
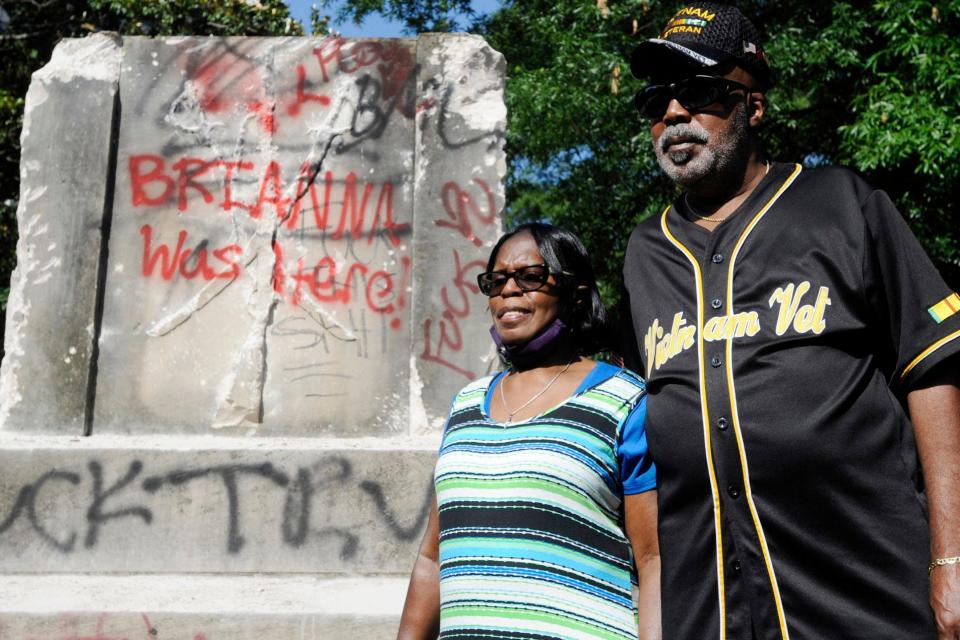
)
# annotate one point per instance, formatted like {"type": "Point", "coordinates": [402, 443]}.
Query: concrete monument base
{"type": "Point", "coordinates": [199, 607]}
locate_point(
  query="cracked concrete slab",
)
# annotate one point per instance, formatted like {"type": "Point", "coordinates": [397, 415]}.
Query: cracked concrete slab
{"type": "Point", "coordinates": [264, 259]}
{"type": "Point", "coordinates": [65, 179]}
{"type": "Point", "coordinates": [461, 166]}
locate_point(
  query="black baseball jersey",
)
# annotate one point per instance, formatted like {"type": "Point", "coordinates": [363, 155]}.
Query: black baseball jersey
{"type": "Point", "coordinates": [778, 351]}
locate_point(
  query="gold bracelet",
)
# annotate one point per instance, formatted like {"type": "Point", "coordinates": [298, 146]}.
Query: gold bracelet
{"type": "Point", "coordinates": [939, 562]}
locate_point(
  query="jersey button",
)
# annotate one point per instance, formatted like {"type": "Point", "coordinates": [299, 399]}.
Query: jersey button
{"type": "Point", "coordinates": [716, 303]}
{"type": "Point", "coordinates": [716, 361]}
{"type": "Point", "coordinates": [733, 491]}
{"type": "Point", "coordinates": [736, 566]}
{"type": "Point", "coordinates": [722, 424]}
{"type": "Point", "coordinates": [717, 258]}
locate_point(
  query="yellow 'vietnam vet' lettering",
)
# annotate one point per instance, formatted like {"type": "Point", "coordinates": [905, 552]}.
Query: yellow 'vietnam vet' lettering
{"type": "Point", "coordinates": [745, 323]}
{"type": "Point", "coordinates": [695, 11]}
{"type": "Point", "coordinates": [659, 347]}
{"type": "Point", "coordinates": [802, 317]}
{"type": "Point", "coordinates": [688, 20]}
{"type": "Point", "coordinates": [793, 311]}
{"type": "Point", "coordinates": [681, 29]}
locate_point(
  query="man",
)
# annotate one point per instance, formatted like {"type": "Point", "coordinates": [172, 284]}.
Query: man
{"type": "Point", "coordinates": [801, 351]}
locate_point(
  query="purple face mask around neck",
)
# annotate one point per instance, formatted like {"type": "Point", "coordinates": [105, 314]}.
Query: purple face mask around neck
{"type": "Point", "coordinates": [533, 350]}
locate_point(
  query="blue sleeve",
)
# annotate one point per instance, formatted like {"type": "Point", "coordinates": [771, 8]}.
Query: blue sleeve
{"type": "Point", "coordinates": [637, 471]}
{"type": "Point", "coordinates": [489, 396]}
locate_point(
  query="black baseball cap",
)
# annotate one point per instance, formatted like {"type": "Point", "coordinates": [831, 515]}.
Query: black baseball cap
{"type": "Point", "coordinates": [700, 36]}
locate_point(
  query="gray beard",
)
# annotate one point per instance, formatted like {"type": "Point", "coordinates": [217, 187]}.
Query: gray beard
{"type": "Point", "coordinates": [730, 150]}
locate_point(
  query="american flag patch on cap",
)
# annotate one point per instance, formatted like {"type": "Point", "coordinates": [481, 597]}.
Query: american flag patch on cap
{"type": "Point", "coordinates": [945, 308]}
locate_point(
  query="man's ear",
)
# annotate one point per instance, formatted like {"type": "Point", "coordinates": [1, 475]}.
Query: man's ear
{"type": "Point", "coordinates": [756, 108]}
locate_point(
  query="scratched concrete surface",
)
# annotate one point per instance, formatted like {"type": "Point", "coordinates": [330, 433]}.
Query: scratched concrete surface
{"type": "Point", "coordinates": [171, 607]}
{"type": "Point", "coordinates": [65, 176]}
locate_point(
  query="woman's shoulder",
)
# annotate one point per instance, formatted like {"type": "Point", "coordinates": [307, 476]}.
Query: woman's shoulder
{"type": "Point", "coordinates": [617, 381]}
{"type": "Point", "coordinates": [629, 376]}
{"type": "Point", "coordinates": [472, 396]}
{"type": "Point", "coordinates": [610, 371]}
{"type": "Point", "coordinates": [476, 388]}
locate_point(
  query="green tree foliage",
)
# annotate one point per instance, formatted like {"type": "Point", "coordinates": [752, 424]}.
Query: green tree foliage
{"type": "Point", "coordinates": [29, 29]}
{"type": "Point", "coordinates": [419, 16]}
{"type": "Point", "coordinates": [579, 155]}
{"type": "Point", "coordinates": [870, 85]}
{"type": "Point", "coordinates": [874, 86]}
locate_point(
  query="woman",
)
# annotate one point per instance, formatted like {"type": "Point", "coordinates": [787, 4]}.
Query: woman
{"type": "Point", "coordinates": [543, 483]}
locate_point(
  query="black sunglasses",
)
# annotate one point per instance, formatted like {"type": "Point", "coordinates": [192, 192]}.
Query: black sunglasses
{"type": "Point", "coordinates": [692, 93]}
{"type": "Point", "coordinates": [529, 278]}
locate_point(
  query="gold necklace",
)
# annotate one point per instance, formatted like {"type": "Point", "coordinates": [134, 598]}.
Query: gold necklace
{"type": "Point", "coordinates": [710, 219]}
{"type": "Point", "coordinates": [503, 397]}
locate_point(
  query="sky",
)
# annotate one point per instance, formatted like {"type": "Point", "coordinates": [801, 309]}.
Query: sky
{"type": "Point", "coordinates": [372, 27]}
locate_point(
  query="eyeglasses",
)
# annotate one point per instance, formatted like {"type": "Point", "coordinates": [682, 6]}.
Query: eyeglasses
{"type": "Point", "coordinates": [692, 93]}
{"type": "Point", "coordinates": [529, 278]}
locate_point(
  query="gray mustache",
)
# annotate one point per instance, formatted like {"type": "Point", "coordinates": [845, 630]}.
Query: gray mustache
{"type": "Point", "coordinates": [685, 130]}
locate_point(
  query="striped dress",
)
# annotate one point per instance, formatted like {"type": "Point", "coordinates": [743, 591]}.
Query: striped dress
{"type": "Point", "coordinates": [531, 526]}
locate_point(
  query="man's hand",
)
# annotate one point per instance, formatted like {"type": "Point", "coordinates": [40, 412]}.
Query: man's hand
{"type": "Point", "coordinates": [945, 600]}
{"type": "Point", "coordinates": [935, 412]}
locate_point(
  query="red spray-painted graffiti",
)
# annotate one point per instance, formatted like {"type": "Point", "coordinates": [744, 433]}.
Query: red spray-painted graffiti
{"type": "Point", "coordinates": [228, 82]}
{"type": "Point", "coordinates": [394, 64]}
{"type": "Point", "coordinates": [152, 186]}
{"type": "Point", "coordinates": [304, 96]}
{"type": "Point", "coordinates": [449, 339]}
{"type": "Point", "coordinates": [460, 207]}
{"type": "Point", "coordinates": [177, 263]}
{"type": "Point", "coordinates": [344, 208]}
{"type": "Point", "coordinates": [327, 282]}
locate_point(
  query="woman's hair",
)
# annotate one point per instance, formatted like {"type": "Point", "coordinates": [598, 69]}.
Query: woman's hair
{"type": "Point", "coordinates": [562, 251]}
